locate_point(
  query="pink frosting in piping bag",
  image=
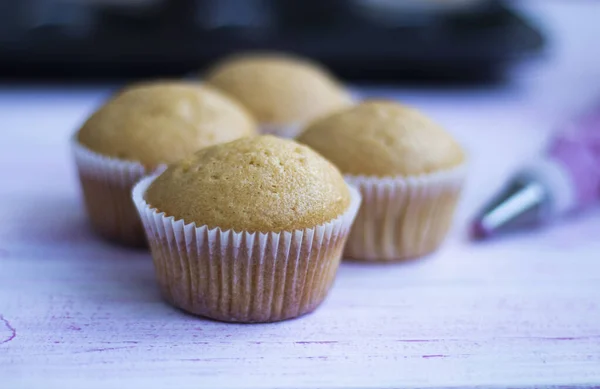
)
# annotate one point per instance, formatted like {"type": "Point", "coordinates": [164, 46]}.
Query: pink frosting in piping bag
{"type": "Point", "coordinates": [566, 178]}
{"type": "Point", "coordinates": [577, 149]}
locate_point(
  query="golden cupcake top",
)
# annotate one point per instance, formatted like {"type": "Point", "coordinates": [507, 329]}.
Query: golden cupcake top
{"type": "Point", "coordinates": [162, 122]}
{"type": "Point", "coordinates": [279, 89]}
{"type": "Point", "coordinates": [383, 138]}
{"type": "Point", "coordinates": [258, 184]}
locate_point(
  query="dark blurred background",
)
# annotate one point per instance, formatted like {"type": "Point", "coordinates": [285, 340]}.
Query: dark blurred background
{"type": "Point", "coordinates": [363, 40]}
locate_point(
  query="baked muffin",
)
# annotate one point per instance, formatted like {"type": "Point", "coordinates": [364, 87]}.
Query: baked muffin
{"type": "Point", "coordinates": [138, 130]}
{"type": "Point", "coordinates": [282, 92]}
{"type": "Point", "coordinates": [247, 231]}
{"type": "Point", "coordinates": [408, 169]}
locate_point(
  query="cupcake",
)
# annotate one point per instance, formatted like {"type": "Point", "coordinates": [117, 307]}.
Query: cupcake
{"type": "Point", "coordinates": [247, 231]}
{"type": "Point", "coordinates": [408, 169]}
{"type": "Point", "coordinates": [283, 93]}
{"type": "Point", "coordinates": [137, 131]}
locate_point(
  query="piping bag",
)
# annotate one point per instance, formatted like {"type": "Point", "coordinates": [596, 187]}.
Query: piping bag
{"type": "Point", "coordinates": [565, 179]}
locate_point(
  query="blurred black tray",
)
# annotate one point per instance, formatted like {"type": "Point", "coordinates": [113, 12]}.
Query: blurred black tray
{"type": "Point", "coordinates": [469, 47]}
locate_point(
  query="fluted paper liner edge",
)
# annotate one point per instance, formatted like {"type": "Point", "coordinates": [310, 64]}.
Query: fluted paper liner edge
{"type": "Point", "coordinates": [105, 168]}
{"type": "Point", "coordinates": [243, 276]}
{"type": "Point", "coordinates": [106, 184]}
{"type": "Point", "coordinates": [403, 217]}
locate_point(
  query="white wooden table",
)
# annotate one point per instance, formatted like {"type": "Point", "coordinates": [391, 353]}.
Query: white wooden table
{"type": "Point", "coordinates": [523, 311]}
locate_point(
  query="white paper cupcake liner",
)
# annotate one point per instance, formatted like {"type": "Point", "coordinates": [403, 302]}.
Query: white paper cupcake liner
{"type": "Point", "coordinates": [243, 276]}
{"type": "Point", "coordinates": [101, 167]}
{"type": "Point", "coordinates": [403, 217]}
{"type": "Point", "coordinates": [106, 184]}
